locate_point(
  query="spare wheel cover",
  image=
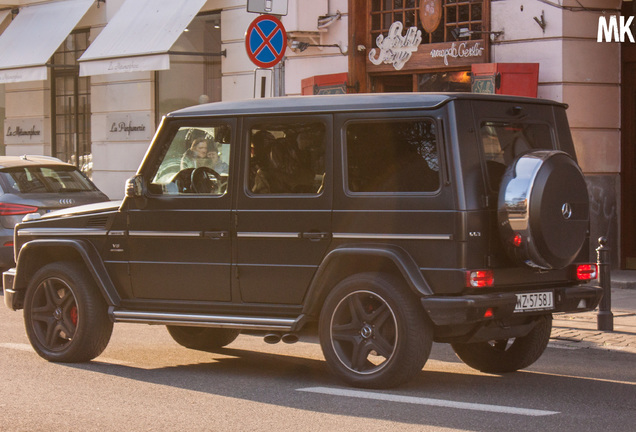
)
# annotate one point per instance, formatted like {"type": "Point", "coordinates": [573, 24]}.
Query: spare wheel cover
{"type": "Point", "coordinates": [543, 199]}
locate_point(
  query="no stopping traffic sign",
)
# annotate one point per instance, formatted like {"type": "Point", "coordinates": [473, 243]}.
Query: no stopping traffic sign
{"type": "Point", "coordinates": [265, 41]}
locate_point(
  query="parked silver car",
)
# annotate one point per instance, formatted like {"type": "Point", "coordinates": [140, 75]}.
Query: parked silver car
{"type": "Point", "coordinates": [37, 184]}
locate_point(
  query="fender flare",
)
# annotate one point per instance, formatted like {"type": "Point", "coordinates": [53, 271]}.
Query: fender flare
{"type": "Point", "coordinates": [85, 250]}
{"type": "Point", "coordinates": [334, 266]}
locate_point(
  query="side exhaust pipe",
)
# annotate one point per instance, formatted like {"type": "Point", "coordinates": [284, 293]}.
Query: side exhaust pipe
{"type": "Point", "coordinates": [289, 338]}
{"type": "Point", "coordinates": [272, 338]}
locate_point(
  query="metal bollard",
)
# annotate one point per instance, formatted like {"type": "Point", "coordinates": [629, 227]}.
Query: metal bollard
{"type": "Point", "coordinates": [605, 318]}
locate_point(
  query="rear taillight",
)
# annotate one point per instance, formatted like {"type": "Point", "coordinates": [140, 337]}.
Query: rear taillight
{"type": "Point", "coordinates": [586, 272]}
{"type": "Point", "coordinates": [8, 209]}
{"type": "Point", "coordinates": [479, 278]}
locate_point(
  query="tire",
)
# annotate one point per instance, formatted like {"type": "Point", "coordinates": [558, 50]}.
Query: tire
{"type": "Point", "coordinates": [507, 355]}
{"type": "Point", "coordinates": [202, 338]}
{"type": "Point", "coordinates": [373, 332]}
{"type": "Point", "coordinates": [65, 315]}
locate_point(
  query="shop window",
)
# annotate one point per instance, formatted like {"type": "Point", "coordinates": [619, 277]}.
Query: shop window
{"type": "Point", "coordinates": [454, 14]}
{"type": "Point", "coordinates": [392, 156]}
{"type": "Point", "coordinates": [192, 79]}
{"type": "Point", "coordinates": [452, 81]}
{"type": "Point", "coordinates": [71, 104]}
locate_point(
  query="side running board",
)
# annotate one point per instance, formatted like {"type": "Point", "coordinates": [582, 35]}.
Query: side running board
{"type": "Point", "coordinates": [199, 320]}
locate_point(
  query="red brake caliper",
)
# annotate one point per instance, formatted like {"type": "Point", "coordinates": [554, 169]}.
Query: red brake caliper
{"type": "Point", "coordinates": [74, 315]}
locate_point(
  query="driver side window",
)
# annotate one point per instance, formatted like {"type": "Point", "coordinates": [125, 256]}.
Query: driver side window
{"type": "Point", "coordinates": [196, 161]}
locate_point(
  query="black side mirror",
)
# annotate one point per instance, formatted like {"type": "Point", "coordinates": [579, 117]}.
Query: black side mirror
{"type": "Point", "coordinates": [135, 187]}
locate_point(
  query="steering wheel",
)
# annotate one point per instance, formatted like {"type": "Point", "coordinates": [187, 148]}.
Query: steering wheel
{"type": "Point", "coordinates": [205, 180]}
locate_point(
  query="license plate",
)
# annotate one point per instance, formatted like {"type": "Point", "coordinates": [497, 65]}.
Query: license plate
{"type": "Point", "coordinates": [535, 301]}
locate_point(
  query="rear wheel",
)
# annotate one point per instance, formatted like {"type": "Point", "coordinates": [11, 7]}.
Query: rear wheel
{"type": "Point", "coordinates": [202, 338]}
{"type": "Point", "coordinates": [66, 317]}
{"type": "Point", "coordinates": [507, 355]}
{"type": "Point", "coordinates": [373, 332]}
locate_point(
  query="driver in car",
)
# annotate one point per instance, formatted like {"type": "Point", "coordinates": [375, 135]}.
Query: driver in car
{"type": "Point", "coordinates": [197, 155]}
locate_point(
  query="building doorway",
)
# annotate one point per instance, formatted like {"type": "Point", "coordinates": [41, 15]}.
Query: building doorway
{"type": "Point", "coordinates": [628, 165]}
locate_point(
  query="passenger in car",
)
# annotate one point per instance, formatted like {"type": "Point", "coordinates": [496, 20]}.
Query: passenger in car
{"type": "Point", "coordinates": [262, 142]}
{"type": "Point", "coordinates": [285, 173]}
{"type": "Point", "coordinates": [215, 156]}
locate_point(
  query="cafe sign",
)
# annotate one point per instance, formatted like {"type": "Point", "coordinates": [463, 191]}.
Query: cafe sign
{"type": "Point", "coordinates": [400, 50]}
{"type": "Point", "coordinates": [129, 127]}
{"type": "Point", "coordinates": [24, 131]}
{"type": "Point", "coordinates": [462, 50]}
{"type": "Point", "coordinates": [395, 48]}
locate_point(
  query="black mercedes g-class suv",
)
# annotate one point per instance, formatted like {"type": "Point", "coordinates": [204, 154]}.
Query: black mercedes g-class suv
{"type": "Point", "coordinates": [383, 222]}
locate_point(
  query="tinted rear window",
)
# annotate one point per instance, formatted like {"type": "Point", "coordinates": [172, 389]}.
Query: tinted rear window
{"type": "Point", "coordinates": [392, 156]}
{"type": "Point", "coordinates": [45, 179]}
{"type": "Point", "coordinates": [502, 142]}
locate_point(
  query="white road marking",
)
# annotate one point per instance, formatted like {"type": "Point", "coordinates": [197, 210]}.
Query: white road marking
{"type": "Point", "coordinates": [17, 346]}
{"type": "Point", "coordinates": [426, 401]}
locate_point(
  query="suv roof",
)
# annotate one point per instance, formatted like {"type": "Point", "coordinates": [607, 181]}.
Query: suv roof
{"type": "Point", "coordinates": [25, 160]}
{"type": "Point", "coordinates": [341, 103]}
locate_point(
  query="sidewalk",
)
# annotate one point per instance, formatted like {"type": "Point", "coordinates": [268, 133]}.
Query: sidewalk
{"type": "Point", "coordinates": [580, 330]}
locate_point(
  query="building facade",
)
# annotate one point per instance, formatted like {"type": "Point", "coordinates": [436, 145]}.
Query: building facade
{"type": "Point", "coordinates": [88, 80]}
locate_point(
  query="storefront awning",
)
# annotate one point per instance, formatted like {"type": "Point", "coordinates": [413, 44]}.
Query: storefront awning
{"type": "Point", "coordinates": [4, 14]}
{"type": "Point", "coordinates": [33, 36]}
{"type": "Point", "coordinates": [139, 37]}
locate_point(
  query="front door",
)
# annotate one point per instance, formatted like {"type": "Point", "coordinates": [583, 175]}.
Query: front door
{"type": "Point", "coordinates": [284, 210]}
{"type": "Point", "coordinates": [179, 232]}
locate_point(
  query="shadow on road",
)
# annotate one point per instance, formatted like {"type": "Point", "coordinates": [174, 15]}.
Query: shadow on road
{"type": "Point", "coordinates": [274, 379]}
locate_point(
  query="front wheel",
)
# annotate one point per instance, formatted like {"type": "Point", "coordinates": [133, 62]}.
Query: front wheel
{"type": "Point", "coordinates": [66, 317]}
{"type": "Point", "coordinates": [202, 338]}
{"type": "Point", "coordinates": [507, 355]}
{"type": "Point", "coordinates": [373, 332]}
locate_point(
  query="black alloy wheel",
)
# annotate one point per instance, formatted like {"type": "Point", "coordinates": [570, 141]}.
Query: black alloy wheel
{"type": "Point", "coordinates": [201, 338]}
{"type": "Point", "coordinates": [372, 333]}
{"type": "Point", "coordinates": [507, 355]}
{"type": "Point", "coordinates": [65, 316]}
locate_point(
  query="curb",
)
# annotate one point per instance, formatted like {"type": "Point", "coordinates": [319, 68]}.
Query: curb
{"type": "Point", "coordinates": [623, 279]}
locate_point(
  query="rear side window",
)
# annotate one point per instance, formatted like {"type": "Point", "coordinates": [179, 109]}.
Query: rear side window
{"type": "Point", "coordinates": [392, 156]}
{"type": "Point", "coordinates": [502, 142]}
{"type": "Point", "coordinates": [41, 179]}
{"type": "Point", "coordinates": [287, 158]}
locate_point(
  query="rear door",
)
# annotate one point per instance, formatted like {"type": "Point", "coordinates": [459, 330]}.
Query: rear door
{"type": "Point", "coordinates": [283, 214]}
{"type": "Point", "coordinates": [395, 188]}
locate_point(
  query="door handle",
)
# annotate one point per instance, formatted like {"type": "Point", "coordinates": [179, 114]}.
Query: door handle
{"type": "Point", "coordinates": [312, 235]}
{"type": "Point", "coordinates": [216, 235]}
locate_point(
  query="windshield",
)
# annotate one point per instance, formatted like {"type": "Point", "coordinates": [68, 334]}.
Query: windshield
{"type": "Point", "coordinates": [45, 179]}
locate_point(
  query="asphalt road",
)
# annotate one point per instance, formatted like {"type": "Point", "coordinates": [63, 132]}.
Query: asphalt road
{"type": "Point", "coordinates": [146, 382]}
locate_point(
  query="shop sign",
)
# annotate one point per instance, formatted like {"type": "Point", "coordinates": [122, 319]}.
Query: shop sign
{"type": "Point", "coordinates": [619, 30]}
{"type": "Point", "coordinates": [128, 127]}
{"type": "Point", "coordinates": [430, 14]}
{"type": "Point", "coordinates": [463, 50]}
{"type": "Point", "coordinates": [24, 131]}
{"type": "Point", "coordinates": [395, 48]}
